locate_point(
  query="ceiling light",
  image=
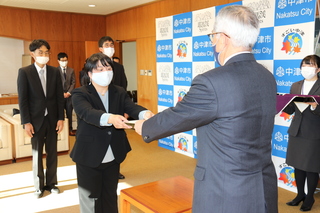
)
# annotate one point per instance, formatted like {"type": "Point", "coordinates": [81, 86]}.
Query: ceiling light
{"type": "Point", "coordinates": [92, 5]}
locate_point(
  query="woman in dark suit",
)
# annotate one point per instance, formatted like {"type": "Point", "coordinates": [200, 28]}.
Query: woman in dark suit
{"type": "Point", "coordinates": [304, 135]}
{"type": "Point", "coordinates": [101, 142]}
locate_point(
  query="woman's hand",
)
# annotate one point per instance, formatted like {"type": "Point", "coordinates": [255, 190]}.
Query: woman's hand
{"type": "Point", "coordinates": [119, 122]}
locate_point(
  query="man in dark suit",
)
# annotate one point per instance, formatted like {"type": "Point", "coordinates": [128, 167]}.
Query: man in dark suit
{"type": "Point", "coordinates": [233, 108]}
{"type": "Point", "coordinates": [106, 46]}
{"type": "Point", "coordinates": [41, 110]}
{"type": "Point", "coordinates": [68, 81]}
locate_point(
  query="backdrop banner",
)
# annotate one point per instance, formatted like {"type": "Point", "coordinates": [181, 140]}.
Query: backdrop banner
{"type": "Point", "coordinates": [184, 50]}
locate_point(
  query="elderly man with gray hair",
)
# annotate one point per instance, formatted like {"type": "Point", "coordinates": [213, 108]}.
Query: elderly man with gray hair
{"type": "Point", "coordinates": [232, 108]}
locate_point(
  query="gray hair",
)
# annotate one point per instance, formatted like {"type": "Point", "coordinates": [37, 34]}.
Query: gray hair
{"type": "Point", "coordinates": [240, 23]}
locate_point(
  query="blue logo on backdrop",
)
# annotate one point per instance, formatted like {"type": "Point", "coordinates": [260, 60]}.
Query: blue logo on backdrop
{"type": "Point", "coordinates": [195, 146]}
{"type": "Point", "coordinates": [286, 72]}
{"type": "Point", "coordinates": [182, 73]}
{"type": "Point", "coordinates": [202, 49]}
{"type": "Point", "coordinates": [280, 139]}
{"type": "Point", "coordinates": [263, 49]}
{"type": "Point", "coordinates": [165, 95]}
{"type": "Point", "coordinates": [167, 143]}
{"type": "Point", "coordinates": [294, 11]}
{"type": "Point", "coordinates": [182, 25]}
{"type": "Point", "coordinates": [164, 51]}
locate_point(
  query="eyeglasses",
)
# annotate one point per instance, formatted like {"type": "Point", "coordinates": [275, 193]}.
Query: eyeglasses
{"type": "Point", "coordinates": [211, 35]}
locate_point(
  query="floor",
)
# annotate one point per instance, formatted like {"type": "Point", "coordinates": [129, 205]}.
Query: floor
{"type": "Point", "coordinates": [144, 164]}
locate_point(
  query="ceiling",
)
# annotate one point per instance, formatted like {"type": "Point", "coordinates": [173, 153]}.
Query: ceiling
{"type": "Point", "coordinates": [103, 7]}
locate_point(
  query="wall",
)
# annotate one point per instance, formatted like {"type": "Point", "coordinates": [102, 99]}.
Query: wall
{"type": "Point", "coordinates": [129, 61]}
{"type": "Point", "coordinates": [139, 24]}
{"type": "Point", "coordinates": [65, 32]}
{"type": "Point", "coordinates": [11, 52]}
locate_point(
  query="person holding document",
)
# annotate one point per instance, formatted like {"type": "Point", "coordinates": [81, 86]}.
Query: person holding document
{"type": "Point", "coordinates": [232, 108]}
{"type": "Point", "coordinates": [101, 142]}
{"type": "Point", "coordinates": [304, 135]}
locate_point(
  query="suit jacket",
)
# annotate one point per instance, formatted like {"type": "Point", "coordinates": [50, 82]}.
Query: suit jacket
{"type": "Point", "coordinates": [93, 140]}
{"type": "Point", "coordinates": [33, 102]}
{"type": "Point", "coordinates": [70, 81]}
{"type": "Point", "coordinates": [119, 76]}
{"type": "Point", "coordinates": [233, 109]}
{"type": "Point", "coordinates": [309, 126]}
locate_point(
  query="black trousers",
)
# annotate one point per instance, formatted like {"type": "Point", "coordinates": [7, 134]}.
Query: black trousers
{"type": "Point", "coordinates": [46, 136]}
{"type": "Point", "coordinates": [98, 188]}
{"type": "Point", "coordinates": [68, 107]}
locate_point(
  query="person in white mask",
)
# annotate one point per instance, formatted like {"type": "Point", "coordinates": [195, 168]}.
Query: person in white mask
{"type": "Point", "coordinates": [41, 103]}
{"type": "Point", "coordinates": [304, 135]}
{"type": "Point", "coordinates": [68, 82]}
{"type": "Point", "coordinates": [101, 142]}
{"type": "Point", "coordinates": [106, 46]}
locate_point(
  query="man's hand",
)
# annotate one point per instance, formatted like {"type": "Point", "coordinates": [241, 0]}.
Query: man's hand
{"type": "Point", "coordinates": [29, 129]}
{"type": "Point", "coordinates": [119, 122]}
{"type": "Point", "coordinates": [59, 126]}
{"type": "Point", "coordinates": [66, 95]}
{"type": "Point", "coordinates": [138, 126]}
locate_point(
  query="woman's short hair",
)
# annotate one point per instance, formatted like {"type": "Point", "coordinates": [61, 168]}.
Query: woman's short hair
{"type": "Point", "coordinates": [93, 60]}
{"type": "Point", "coordinates": [312, 60]}
{"type": "Point", "coordinates": [240, 23]}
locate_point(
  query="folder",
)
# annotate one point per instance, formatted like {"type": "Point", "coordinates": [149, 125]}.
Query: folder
{"type": "Point", "coordinates": [284, 100]}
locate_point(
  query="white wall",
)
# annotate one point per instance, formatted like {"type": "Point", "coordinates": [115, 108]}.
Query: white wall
{"type": "Point", "coordinates": [129, 57]}
{"type": "Point", "coordinates": [11, 51]}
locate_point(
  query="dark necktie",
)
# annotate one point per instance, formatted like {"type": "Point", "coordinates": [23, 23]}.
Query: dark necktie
{"type": "Point", "coordinates": [64, 73]}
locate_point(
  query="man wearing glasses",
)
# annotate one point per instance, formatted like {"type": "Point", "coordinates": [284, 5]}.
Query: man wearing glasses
{"type": "Point", "coordinates": [41, 106]}
{"type": "Point", "coordinates": [232, 108]}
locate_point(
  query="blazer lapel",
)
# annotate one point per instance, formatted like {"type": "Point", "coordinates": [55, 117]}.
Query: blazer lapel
{"type": "Point", "coordinates": [315, 87]}
{"type": "Point", "coordinates": [35, 75]}
{"type": "Point", "coordinates": [94, 94]}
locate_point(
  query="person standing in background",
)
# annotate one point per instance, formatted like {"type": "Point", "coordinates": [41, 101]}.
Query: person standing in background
{"type": "Point", "coordinates": [68, 81]}
{"type": "Point", "coordinates": [232, 108]}
{"type": "Point", "coordinates": [41, 102]}
{"type": "Point", "coordinates": [106, 46]}
{"type": "Point", "coordinates": [304, 135]}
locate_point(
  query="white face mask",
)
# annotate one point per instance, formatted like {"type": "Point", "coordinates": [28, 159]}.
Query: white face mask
{"type": "Point", "coordinates": [102, 78]}
{"type": "Point", "coordinates": [308, 72]}
{"type": "Point", "coordinates": [63, 63]}
{"type": "Point", "coordinates": [42, 59]}
{"type": "Point", "coordinates": [109, 51]}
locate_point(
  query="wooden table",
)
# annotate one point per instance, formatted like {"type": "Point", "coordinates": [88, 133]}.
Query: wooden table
{"type": "Point", "coordinates": [170, 195]}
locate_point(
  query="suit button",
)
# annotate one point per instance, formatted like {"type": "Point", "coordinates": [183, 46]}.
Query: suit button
{"type": "Point", "coordinates": [145, 137]}
{"type": "Point", "coordinates": [109, 133]}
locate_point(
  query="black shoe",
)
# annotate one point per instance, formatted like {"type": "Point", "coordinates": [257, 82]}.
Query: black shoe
{"type": "Point", "coordinates": [295, 202]}
{"type": "Point", "coordinates": [38, 193]}
{"type": "Point", "coordinates": [121, 176]}
{"type": "Point", "coordinates": [306, 208]}
{"type": "Point", "coordinates": [52, 189]}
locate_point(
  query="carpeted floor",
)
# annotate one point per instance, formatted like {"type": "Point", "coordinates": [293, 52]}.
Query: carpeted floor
{"type": "Point", "coordinates": [144, 164]}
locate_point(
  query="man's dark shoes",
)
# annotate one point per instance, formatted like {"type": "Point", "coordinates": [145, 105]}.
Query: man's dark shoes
{"type": "Point", "coordinates": [121, 176]}
{"type": "Point", "coordinates": [52, 189]}
{"type": "Point", "coordinates": [38, 193]}
{"type": "Point", "coordinates": [295, 202]}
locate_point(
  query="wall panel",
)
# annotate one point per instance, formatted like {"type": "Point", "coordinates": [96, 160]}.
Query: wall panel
{"type": "Point", "coordinates": [112, 26]}
{"type": "Point", "coordinates": [87, 27]}
{"type": "Point", "coordinates": [146, 23]}
{"type": "Point", "coordinates": [54, 26]}
{"type": "Point", "coordinates": [15, 23]}
{"type": "Point", "coordinates": [127, 25]}
{"type": "Point", "coordinates": [147, 85]}
{"type": "Point", "coordinates": [172, 7]}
